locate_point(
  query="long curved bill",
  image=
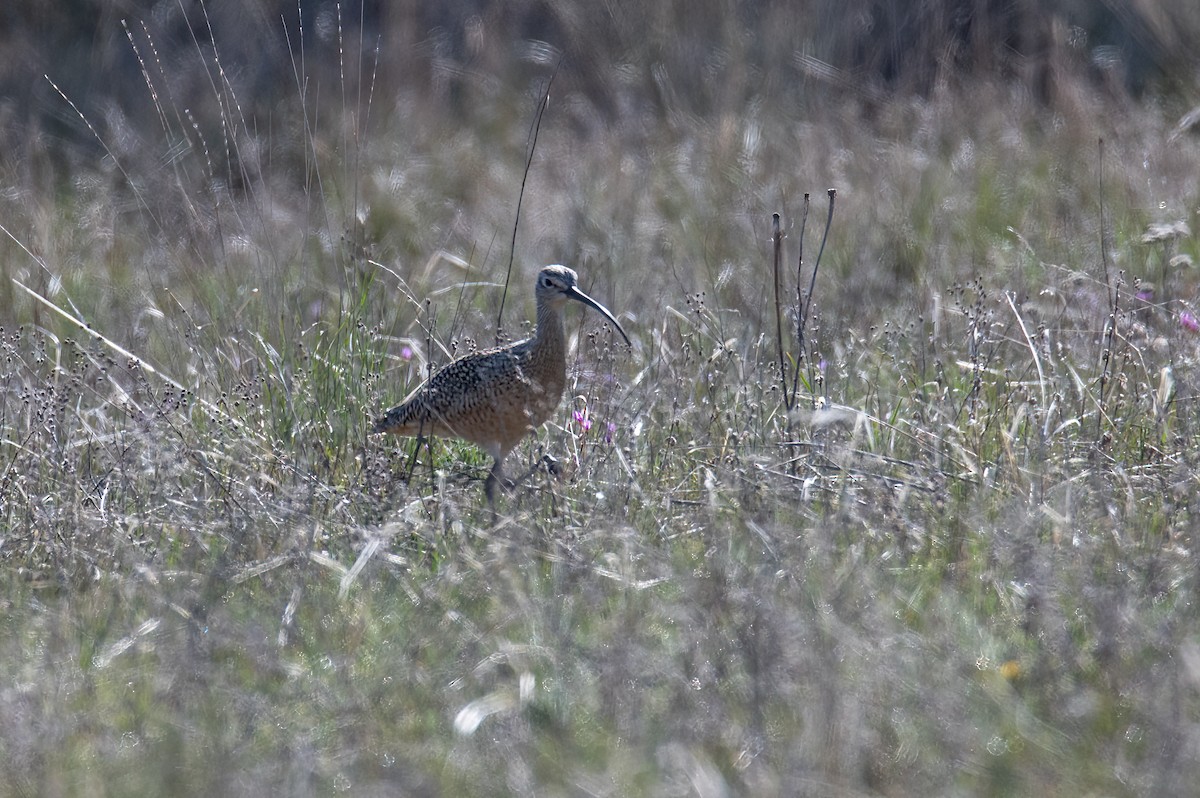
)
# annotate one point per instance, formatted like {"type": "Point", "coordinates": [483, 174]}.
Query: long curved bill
{"type": "Point", "coordinates": [576, 294]}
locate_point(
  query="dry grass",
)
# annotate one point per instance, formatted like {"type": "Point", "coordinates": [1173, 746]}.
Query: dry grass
{"type": "Point", "coordinates": [963, 565]}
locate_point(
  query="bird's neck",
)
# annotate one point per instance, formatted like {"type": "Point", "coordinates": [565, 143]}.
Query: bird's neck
{"type": "Point", "coordinates": [549, 342]}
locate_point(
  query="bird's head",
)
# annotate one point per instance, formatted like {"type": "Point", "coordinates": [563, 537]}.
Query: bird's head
{"type": "Point", "coordinates": [556, 284]}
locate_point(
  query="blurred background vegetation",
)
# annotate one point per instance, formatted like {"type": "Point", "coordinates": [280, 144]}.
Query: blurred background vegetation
{"type": "Point", "coordinates": [674, 60]}
{"type": "Point", "coordinates": [181, 109]}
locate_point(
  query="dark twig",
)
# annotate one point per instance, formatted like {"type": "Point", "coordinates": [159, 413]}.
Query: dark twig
{"type": "Point", "coordinates": [777, 241]}
{"type": "Point", "coordinates": [800, 355]}
{"type": "Point", "coordinates": [533, 137]}
{"type": "Point", "coordinates": [812, 287]}
{"type": "Point", "coordinates": [1112, 290]}
{"type": "Point", "coordinates": [812, 283]}
{"type": "Point", "coordinates": [1112, 299]}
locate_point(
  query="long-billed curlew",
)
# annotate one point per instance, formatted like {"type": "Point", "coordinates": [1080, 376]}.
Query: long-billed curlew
{"type": "Point", "coordinates": [495, 397]}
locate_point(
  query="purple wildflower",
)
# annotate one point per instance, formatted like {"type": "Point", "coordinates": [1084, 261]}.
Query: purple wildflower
{"type": "Point", "coordinates": [1189, 322]}
{"type": "Point", "coordinates": [582, 419]}
{"type": "Point", "coordinates": [608, 432]}
{"type": "Point", "coordinates": [406, 353]}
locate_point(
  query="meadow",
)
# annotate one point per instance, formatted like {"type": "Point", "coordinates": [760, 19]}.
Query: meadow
{"type": "Point", "coordinates": [915, 517]}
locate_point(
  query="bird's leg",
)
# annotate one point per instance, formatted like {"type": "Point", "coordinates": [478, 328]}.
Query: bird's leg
{"type": "Point", "coordinates": [546, 460]}
{"type": "Point", "coordinates": [412, 461]}
{"type": "Point", "coordinates": [495, 477]}
{"type": "Point", "coordinates": [427, 442]}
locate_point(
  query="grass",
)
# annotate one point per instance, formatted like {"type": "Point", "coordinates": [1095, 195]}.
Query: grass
{"type": "Point", "coordinates": [963, 565]}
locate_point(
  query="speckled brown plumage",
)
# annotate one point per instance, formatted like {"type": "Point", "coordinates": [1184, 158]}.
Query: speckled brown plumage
{"type": "Point", "coordinates": [494, 398]}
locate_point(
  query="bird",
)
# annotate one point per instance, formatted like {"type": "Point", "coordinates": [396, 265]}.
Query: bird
{"type": "Point", "coordinates": [495, 397]}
